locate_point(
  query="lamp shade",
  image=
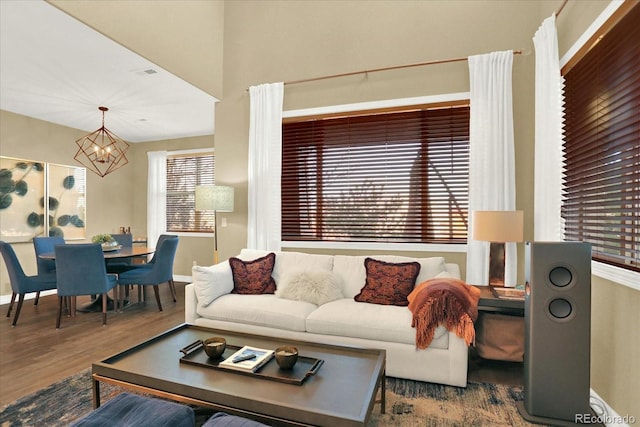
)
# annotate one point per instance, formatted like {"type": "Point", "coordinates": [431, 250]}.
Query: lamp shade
{"type": "Point", "coordinates": [214, 198]}
{"type": "Point", "coordinates": [498, 226]}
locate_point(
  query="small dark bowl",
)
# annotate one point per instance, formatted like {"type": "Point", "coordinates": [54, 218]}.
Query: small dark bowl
{"type": "Point", "coordinates": [286, 356]}
{"type": "Point", "coordinates": [214, 347]}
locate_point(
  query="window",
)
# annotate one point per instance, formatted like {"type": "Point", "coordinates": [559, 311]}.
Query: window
{"type": "Point", "coordinates": [602, 144]}
{"type": "Point", "coordinates": [184, 173]}
{"type": "Point", "coordinates": [377, 177]}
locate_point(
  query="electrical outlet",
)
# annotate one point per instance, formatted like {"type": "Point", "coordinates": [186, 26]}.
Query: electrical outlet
{"type": "Point", "coordinates": [223, 222]}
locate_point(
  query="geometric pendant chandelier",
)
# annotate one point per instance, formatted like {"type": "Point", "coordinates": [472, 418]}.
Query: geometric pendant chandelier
{"type": "Point", "coordinates": [101, 151]}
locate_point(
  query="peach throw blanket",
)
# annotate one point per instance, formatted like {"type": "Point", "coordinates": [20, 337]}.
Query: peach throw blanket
{"type": "Point", "coordinates": [446, 301]}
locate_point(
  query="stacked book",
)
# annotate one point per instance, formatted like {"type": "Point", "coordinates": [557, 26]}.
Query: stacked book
{"type": "Point", "coordinates": [247, 359]}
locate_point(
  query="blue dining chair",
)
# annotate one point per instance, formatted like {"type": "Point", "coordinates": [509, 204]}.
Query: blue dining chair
{"type": "Point", "coordinates": [121, 265]}
{"type": "Point", "coordinates": [22, 284]}
{"type": "Point", "coordinates": [80, 270]}
{"type": "Point", "coordinates": [161, 271]}
{"type": "Point", "coordinates": [161, 239]}
{"type": "Point", "coordinates": [43, 245]}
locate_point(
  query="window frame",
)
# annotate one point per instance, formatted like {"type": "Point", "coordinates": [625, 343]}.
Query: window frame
{"type": "Point", "coordinates": [377, 105]}
{"type": "Point", "coordinates": [609, 17]}
{"type": "Point", "coordinates": [187, 153]}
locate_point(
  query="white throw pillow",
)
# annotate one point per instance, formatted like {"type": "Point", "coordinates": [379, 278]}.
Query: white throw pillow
{"type": "Point", "coordinates": [212, 282]}
{"type": "Point", "coordinates": [314, 286]}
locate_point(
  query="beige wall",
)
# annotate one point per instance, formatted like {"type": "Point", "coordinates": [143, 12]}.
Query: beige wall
{"type": "Point", "coordinates": [269, 41]}
{"type": "Point", "coordinates": [281, 40]}
{"type": "Point", "coordinates": [615, 345]}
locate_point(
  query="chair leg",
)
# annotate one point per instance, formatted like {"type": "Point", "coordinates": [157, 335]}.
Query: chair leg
{"type": "Point", "coordinates": [18, 308]}
{"type": "Point", "coordinates": [13, 298]}
{"type": "Point", "coordinates": [60, 300]}
{"type": "Point", "coordinates": [116, 300]}
{"type": "Point", "coordinates": [157, 292]}
{"type": "Point", "coordinates": [37, 298]}
{"type": "Point", "coordinates": [172, 286]}
{"type": "Point", "coordinates": [67, 305]}
{"type": "Point", "coordinates": [104, 309]}
{"type": "Point", "coordinates": [121, 295]}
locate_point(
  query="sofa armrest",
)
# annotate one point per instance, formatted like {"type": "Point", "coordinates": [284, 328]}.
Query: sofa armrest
{"type": "Point", "coordinates": [190, 304]}
{"type": "Point", "coordinates": [458, 360]}
{"type": "Point", "coordinates": [453, 269]}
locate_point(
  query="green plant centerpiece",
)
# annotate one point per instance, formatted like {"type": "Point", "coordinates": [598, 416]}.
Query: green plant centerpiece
{"type": "Point", "coordinates": [106, 240]}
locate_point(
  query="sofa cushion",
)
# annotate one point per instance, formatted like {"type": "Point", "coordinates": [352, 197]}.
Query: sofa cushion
{"type": "Point", "coordinates": [388, 283]}
{"type": "Point", "coordinates": [349, 318]}
{"type": "Point", "coordinates": [262, 310]}
{"type": "Point", "coordinates": [315, 286]}
{"type": "Point", "coordinates": [253, 277]}
{"type": "Point", "coordinates": [350, 269]}
{"type": "Point", "coordinates": [211, 282]}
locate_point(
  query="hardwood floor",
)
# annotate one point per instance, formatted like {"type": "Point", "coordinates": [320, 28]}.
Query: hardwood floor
{"type": "Point", "coordinates": [34, 354]}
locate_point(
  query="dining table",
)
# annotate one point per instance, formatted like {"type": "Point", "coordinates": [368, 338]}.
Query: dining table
{"type": "Point", "coordinates": [116, 252]}
{"type": "Point", "coordinates": [113, 253]}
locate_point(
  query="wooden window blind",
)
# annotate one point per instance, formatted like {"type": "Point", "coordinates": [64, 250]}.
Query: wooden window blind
{"type": "Point", "coordinates": [184, 173]}
{"type": "Point", "coordinates": [385, 177]}
{"type": "Point", "coordinates": [602, 144]}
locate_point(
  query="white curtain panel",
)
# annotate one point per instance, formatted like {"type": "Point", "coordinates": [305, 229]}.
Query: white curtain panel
{"type": "Point", "coordinates": [265, 166]}
{"type": "Point", "coordinates": [491, 156]}
{"type": "Point", "coordinates": [549, 156]}
{"type": "Point", "coordinates": [156, 196]}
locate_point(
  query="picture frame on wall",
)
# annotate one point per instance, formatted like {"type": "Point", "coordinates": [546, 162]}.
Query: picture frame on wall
{"type": "Point", "coordinates": [67, 196]}
{"type": "Point", "coordinates": [24, 187]}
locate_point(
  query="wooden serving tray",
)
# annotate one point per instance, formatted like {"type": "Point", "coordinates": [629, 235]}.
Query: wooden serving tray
{"type": "Point", "coordinates": [304, 368]}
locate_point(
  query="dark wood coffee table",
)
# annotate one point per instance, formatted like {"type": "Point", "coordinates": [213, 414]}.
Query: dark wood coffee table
{"type": "Point", "coordinates": [341, 393]}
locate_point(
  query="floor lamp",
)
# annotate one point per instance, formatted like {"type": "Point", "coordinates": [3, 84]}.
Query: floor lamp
{"type": "Point", "coordinates": [216, 198]}
{"type": "Point", "coordinates": [497, 227]}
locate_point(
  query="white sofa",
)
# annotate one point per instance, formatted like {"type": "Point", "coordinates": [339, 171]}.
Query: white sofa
{"type": "Point", "coordinates": [210, 303]}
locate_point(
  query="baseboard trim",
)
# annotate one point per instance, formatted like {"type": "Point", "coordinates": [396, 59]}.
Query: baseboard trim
{"type": "Point", "coordinates": [6, 299]}
{"type": "Point", "coordinates": [180, 278]}
{"type": "Point", "coordinates": [606, 414]}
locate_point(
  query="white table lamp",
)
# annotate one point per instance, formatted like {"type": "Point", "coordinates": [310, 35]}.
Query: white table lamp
{"type": "Point", "coordinates": [497, 227]}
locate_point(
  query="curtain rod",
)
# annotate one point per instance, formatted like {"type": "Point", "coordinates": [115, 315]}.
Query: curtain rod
{"type": "Point", "coordinates": [564, 2]}
{"type": "Point", "coordinates": [394, 67]}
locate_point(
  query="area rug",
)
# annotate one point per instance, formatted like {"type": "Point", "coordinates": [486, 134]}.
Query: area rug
{"type": "Point", "coordinates": [409, 404]}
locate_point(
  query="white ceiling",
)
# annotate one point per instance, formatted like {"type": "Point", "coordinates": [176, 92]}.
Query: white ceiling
{"type": "Point", "coordinates": [57, 69]}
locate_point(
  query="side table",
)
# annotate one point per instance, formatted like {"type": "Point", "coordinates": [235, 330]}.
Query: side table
{"type": "Point", "coordinates": [500, 327]}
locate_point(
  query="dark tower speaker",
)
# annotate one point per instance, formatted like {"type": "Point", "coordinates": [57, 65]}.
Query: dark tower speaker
{"type": "Point", "coordinates": [557, 315]}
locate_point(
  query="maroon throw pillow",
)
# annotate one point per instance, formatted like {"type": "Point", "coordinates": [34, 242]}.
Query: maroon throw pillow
{"type": "Point", "coordinates": [388, 283]}
{"type": "Point", "coordinates": [253, 277]}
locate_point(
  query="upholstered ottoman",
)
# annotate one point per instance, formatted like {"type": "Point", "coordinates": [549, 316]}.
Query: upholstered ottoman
{"type": "Point", "coordinates": [128, 409]}
{"type": "Point", "coordinates": [222, 419]}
